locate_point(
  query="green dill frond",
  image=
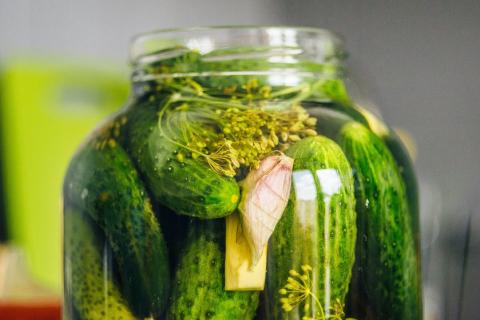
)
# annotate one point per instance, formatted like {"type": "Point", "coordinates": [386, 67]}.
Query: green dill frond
{"type": "Point", "coordinates": [228, 134]}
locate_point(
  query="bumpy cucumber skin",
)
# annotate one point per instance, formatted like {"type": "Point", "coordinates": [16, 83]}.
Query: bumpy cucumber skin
{"type": "Point", "coordinates": [102, 181]}
{"type": "Point", "coordinates": [298, 239]}
{"type": "Point", "coordinates": [405, 167]}
{"type": "Point", "coordinates": [94, 295]}
{"type": "Point", "coordinates": [198, 289]}
{"type": "Point", "coordinates": [331, 121]}
{"type": "Point", "coordinates": [387, 279]}
{"type": "Point", "coordinates": [190, 187]}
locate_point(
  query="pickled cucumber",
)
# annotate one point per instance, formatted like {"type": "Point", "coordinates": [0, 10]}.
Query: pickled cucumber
{"type": "Point", "coordinates": [88, 283]}
{"type": "Point", "coordinates": [186, 185]}
{"type": "Point", "coordinates": [198, 289]}
{"type": "Point", "coordinates": [102, 181]}
{"type": "Point", "coordinates": [311, 252]}
{"type": "Point", "coordinates": [387, 279]}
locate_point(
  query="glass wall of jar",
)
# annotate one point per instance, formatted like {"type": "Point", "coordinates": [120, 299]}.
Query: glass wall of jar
{"type": "Point", "coordinates": [241, 181]}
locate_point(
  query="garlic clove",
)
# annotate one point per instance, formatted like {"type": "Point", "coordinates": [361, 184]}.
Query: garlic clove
{"type": "Point", "coordinates": [265, 193]}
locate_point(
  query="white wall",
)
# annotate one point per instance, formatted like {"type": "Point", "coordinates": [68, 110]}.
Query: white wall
{"type": "Point", "coordinates": [102, 28]}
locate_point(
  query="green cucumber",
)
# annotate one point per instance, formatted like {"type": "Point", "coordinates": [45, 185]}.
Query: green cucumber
{"type": "Point", "coordinates": [102, 181]}
{"type": "Point", "coordinates": [405, 167]}
{"type": "Point", "coordinates": [317, 230]}
{"type": "Point", "coordinates": [387, 279]}
{"type": "Point", "coordinates": [188, 187]}
{"type": "Point", "coordinates": [89, 285]}
{"type": "Point", "coordinates": [198, 290]}
{"type": "Point", "coordinates": [330, 122]}
{"type": "Point", "coordinates": [192, 188]}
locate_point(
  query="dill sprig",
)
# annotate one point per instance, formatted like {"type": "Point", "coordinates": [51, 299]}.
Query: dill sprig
{"type": "Point", "coordinates": [233, 131]}
{"type": "Point", "coordinates": [298, 289]}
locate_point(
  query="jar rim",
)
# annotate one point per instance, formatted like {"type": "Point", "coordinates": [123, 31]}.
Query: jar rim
{"type": "Point", "coordinates": [316, 42]}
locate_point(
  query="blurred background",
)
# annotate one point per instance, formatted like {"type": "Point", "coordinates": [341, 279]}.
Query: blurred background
{"type": "Point", "coordinates": [64, 66]}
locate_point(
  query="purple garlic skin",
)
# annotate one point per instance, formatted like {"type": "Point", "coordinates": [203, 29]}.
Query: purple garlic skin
{"type": "Point", "coordinates": [265, 193]}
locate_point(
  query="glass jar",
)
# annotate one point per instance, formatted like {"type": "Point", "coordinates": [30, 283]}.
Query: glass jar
{"type": "Point", "coordinates": [241, 181]}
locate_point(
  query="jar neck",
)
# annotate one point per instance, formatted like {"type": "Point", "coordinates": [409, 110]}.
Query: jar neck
{"type": "Point", "coordinates": [236, 61]}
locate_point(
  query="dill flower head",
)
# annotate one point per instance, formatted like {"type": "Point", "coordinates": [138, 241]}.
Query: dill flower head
{"type": "Point", "coordinates": [299, 289]}
{"type": "Point", "coordinates": [228, 133]}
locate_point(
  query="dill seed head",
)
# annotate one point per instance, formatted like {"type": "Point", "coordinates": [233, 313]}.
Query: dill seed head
{"type": "Point", "coordinates": [229, 134]}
